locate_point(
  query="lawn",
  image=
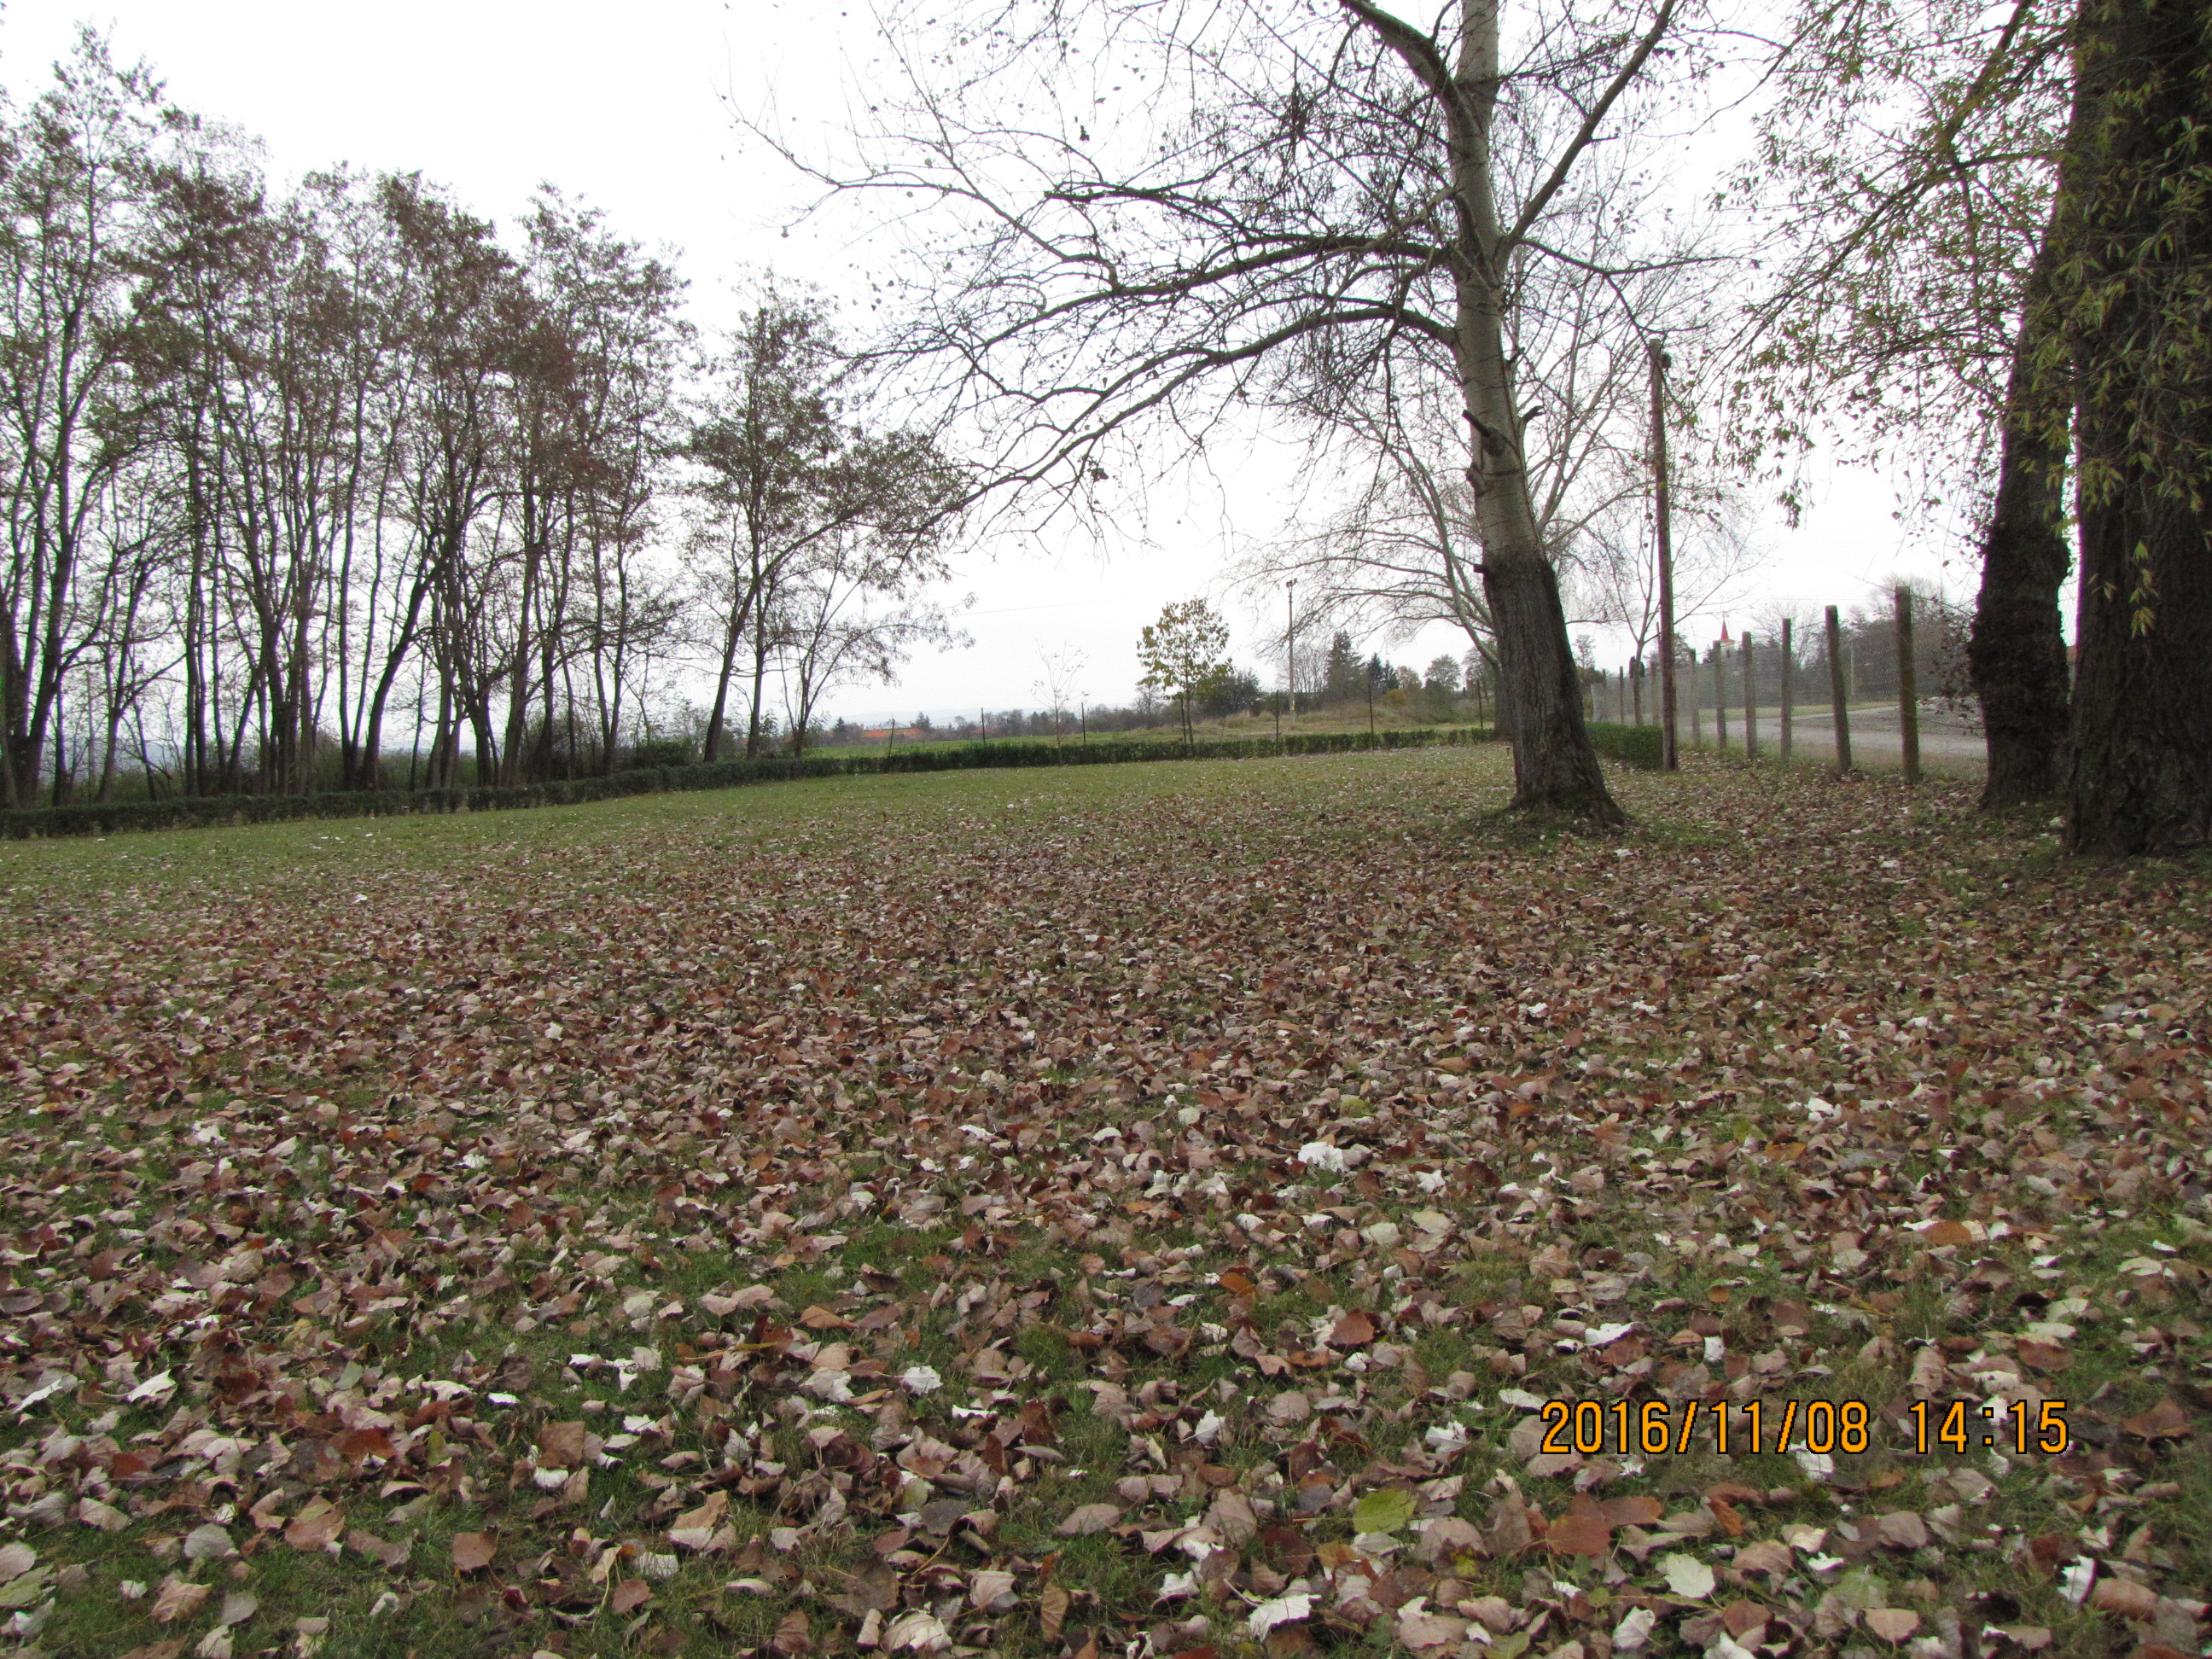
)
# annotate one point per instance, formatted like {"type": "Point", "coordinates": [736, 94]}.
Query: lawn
{"type": "Point", "coordinates": [1135, 1209]}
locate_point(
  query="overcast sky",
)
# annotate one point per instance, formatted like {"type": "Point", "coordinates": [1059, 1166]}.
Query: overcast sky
{"type": "Point", "coordinates": [628, 108]}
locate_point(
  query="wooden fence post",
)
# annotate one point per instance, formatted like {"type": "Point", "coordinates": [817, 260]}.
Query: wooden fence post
{"type": "Point", "coordinates": [1789, 685]}
{"type": "Point", "coordinates": [1720, 700]}
{"type": "Point", "coordinates": [1750, 703]}
{"type": "Point", "coordinates": [1696, 703]}
{"type": "Point", "coordinates": [1908, 687]}
{"type": "Point", "coordinates": [1836, 693]}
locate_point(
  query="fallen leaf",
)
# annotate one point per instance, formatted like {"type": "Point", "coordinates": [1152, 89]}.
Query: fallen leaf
{"type": "Point", "coordinates": [178, 1598]}
{"type": "Point", "coordinates": [208, 1542]}
{"type": "Point", "coordinates": [1580, 1534]}
{"type": "Point", "coordinates": [2163, 1421]}
{"type": "Point", "coordinates": [916, 1631]}
{"type": "Point", "coordinates": [386, 1552]}
{"type": "Point", "coordinates": [1281, 1610]}
{"type": "Point", "coordinates": [2126, 1598]}
{"type": "Point", "coordinates": [1052, 1612]}
{"type": "Point", "coordinates": [1687, 1577]}
{"type": "Point", "coordinates": [1386, 1510]}
{"type": "Point", "coordinates": [472, 1551]}
{"type": "Point", "coordinates": [1892, 1624]}
{"type": "Point", "coordinates": [561, 1445]}
{"type": "Point", "coordinates": [1354, 1330]}
{"type": "Point", "coordinates": [315, 1525]}
{"type": "Point", "coordinates": [986, 1585]}
{"type": "Point", "coordinates": [792, 1635]}
{"type": "Point", "coordinates": [1088, 1518]}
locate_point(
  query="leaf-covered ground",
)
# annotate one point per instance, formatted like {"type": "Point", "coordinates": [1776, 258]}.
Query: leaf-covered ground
{"type": "Point", "coordinates": [1133, 1212]}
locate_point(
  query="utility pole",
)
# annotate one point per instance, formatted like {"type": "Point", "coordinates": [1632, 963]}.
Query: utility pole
{"type": "Point", "coordinates": [1669, 760]}
{"type": "Point", "coordinates": [1291, 643]}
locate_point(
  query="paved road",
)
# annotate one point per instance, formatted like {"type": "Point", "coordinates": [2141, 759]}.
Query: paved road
{"type": "Point", "coordinates": [1946, 740]}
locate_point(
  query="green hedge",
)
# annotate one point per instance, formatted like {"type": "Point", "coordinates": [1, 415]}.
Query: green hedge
{"type": "Point", "coordinates": [1632, 746]}
{"type": "Point", "coordinates": [186, 812]}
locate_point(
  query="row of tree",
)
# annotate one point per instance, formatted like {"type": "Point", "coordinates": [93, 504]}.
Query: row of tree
{"type": "Point", "coordinates": [294, 481]}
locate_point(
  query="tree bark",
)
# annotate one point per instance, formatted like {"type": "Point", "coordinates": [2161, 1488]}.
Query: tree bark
{"type": "Point", "coordinates": [2015, 649]}
{"type": "Point", "coordinates": [1555, 767]}
{"type": "Point", "coordinates": [2139, 772]}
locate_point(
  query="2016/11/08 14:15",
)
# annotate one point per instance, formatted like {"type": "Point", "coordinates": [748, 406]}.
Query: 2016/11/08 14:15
{"type": "Point", "coordinates": [1586, 1427]}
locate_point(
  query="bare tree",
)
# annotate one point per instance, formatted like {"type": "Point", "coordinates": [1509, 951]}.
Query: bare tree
{"type": "Point", "coordinates": [782, 477]}
{"type": "Point", "coordinates": [1402, 547]}
{"type": "Point", "coordinates": [1063, 674]}
{"type": "Point", "coordinates": [1615, 578]}
{"type": "Point", "coordinates": [77, 183]}
{"type": "Point", "coordinates": [1282, 200]}
{"type": "Point", "coordinates": [854, 612]}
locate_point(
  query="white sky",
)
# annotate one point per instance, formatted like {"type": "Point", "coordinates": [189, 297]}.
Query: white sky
{"type": "Point", "coordinates": [624, 106]}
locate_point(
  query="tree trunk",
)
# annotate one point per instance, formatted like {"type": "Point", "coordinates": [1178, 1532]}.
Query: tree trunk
{"type": "Point", "coordinates": [724, 672]}
{"type": "Point", "coordinates": [2015, 649]}
{"type": "Point", "coordinates": [2140, 772]}
{"type": "Point", "coordinates": [2140, 238]}
{"type": "Point", "coordinates": [1555, 767]}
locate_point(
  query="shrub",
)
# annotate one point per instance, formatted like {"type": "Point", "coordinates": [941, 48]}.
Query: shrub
{"type": "Point", "coordinates": [661, 751]}
{"type": "Point", "coordinates": [1632, 746]}
{"type": "Point", "coordinates": [188, 812]}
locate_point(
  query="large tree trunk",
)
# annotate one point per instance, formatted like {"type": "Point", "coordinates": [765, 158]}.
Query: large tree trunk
{"type": "Point", "coordinates": [1555, 767]}
{"type": "Point", "coordinates": [1554, 764]}
{"type": "Point", "coordinates": [2140, 776]}
{"type": "Point", "coordinates": [2139, 240]}
{"type": "Point", "coordinates": [2016, 648]}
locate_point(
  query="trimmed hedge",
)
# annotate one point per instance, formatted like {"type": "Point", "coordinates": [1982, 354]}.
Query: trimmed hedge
{"type": "Point", "coordinates": [188, 812]}
{"type": "Point", "coordinates": [1632, 746]}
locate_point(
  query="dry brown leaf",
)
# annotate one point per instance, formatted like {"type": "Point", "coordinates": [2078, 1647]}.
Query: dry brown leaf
{"type": "Point", "coordinates": [473, 1551]}
{"type": "Point", "coordinates": [2124, 1597]}
{"type": "Point", "coordinates": [1088, 1518]}
{"type": "Point", "coordinates": [561, 1445]}
{"type": "Point", "coordinates": [1354, 1330]}
{"type": "Point", "coordinates": [1579, 1534]}
{"type": "Point", "coordinates": [1052, 1612]}
{"type": "Point", "coordinates": [1892, 1624]}
{"type": "Point", "coordinates": [178, 1598]}
{"type": "Point", "coordinates": [315, 1526]}
{"type": "Point", "coordinates": [2163, 1421]}
{"type": "Point", "coordinates": [793, 1635]}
